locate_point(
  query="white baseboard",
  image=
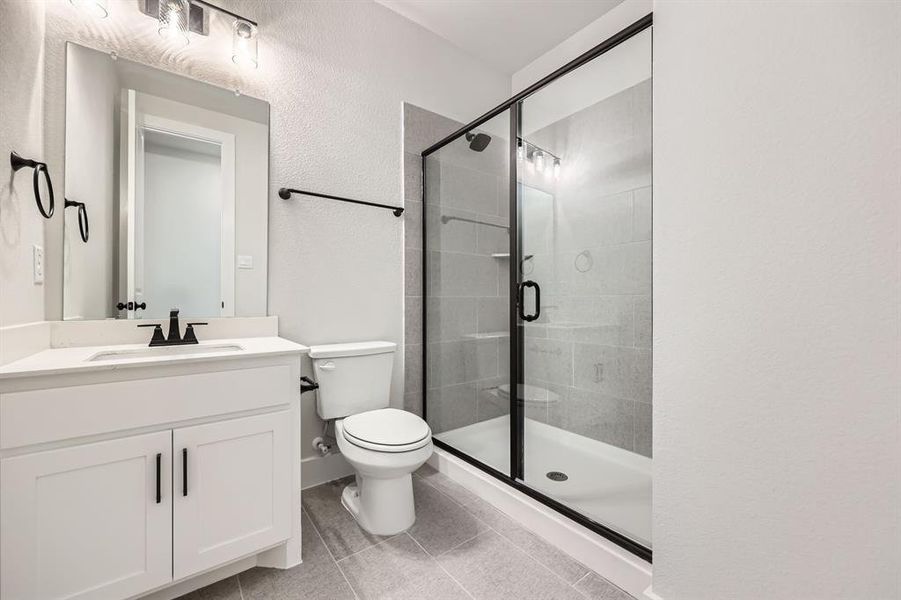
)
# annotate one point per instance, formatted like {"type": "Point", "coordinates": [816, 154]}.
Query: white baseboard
{"type": "Point", "coordinates": [315, 470]}
{"type": "Point", "coordinates": [650, 595]}
{"type": "Point", "coordinates": [597, 553]}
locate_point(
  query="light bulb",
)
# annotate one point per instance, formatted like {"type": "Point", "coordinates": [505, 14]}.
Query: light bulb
{"type": "Point", "coordinates": [519, 150]}
{"type": "Point", "coordinates": [539, 161]}
{"type": "Point", "coordinates": [557, 168]}
{"type": "Point", "coordinates": [174, 21]}
{"type": "Point", "coordinates": [95, 8]}
{"type": "Point", "coordinates": [244, 44]}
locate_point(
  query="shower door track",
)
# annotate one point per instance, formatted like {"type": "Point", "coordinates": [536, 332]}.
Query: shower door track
{"type": "Point", "coordinates": [515, 479]}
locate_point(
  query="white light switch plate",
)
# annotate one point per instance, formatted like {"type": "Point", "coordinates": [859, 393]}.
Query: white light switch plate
{"type": "Point", "coordinates": [37, 254]}
{"type": "Point", "coordinates": [245, 261]}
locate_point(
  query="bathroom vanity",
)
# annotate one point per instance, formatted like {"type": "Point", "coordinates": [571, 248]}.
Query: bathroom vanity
{"type": "Point", "coordinates": [126, 470]}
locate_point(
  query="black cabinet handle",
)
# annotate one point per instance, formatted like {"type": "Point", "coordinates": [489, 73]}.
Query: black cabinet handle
{"type": "Point", "coordinates": [184, 471]}
{"type": "Point", "coordinates": [522, 289]}
{"type": "Point", "coordinates": [159, 492]}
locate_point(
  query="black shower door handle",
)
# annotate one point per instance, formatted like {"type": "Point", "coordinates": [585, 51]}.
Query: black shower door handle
{"type": "Point", "coordinates": [522, 289]}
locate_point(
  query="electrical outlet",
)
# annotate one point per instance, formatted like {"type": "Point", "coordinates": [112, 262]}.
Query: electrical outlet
{"type": "Point", "coordinates": [38, 263]}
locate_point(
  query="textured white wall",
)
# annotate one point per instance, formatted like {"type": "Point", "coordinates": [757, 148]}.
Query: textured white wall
{"type": "Point", "coordinates": [21, 129]}
{"type": "Point", "coordinates": [777, 165]}
{"type": "Point", "coordinates": [336, 74]}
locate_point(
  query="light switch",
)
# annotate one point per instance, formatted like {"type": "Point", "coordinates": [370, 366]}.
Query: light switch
{"type": "Point", "coordinates": [38, 263]}
{"type": "Point", "coordinates": [245, 261]}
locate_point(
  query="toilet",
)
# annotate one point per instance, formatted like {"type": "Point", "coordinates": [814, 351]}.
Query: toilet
{"type": "Point", "coordinates": [383, 445]}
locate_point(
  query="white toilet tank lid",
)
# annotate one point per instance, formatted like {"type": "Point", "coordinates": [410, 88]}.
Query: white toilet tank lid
{"type": "Point", "coordinates": [387, 427]}
{"type": "Point", "coordinates": [351, 349]}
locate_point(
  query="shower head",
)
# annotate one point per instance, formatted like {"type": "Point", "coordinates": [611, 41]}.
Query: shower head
{"type": "Point", "coordinates": [478, 141]}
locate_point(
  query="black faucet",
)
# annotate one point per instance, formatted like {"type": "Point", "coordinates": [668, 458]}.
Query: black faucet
{"type": "Point", "coordinates": [174, 338]}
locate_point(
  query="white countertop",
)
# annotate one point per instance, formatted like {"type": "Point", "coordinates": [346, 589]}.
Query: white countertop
{"type": "Point", "coordinates": [78, 359]}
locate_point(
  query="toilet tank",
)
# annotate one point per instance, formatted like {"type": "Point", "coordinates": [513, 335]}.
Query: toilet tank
{"type": "Point", "coordinates": [352, 378]}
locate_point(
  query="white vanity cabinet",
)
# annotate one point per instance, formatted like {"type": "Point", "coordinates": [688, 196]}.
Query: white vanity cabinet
{"type": "Point", "coordinates": [85, 521]}
{"type": "Point", "coordinates": [232, 490]}
{"type": "Point", "coordinates": [122, 482]}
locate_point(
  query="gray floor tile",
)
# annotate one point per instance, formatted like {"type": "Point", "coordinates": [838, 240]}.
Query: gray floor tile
{"type": "Point", "coordinates": [340, 532]}
{"type": "Point", "coordinates": [569, 569]}
{"type": "Point", "coordinates": [317, 578]}
{"type": "Point", "coordinates": [227, 589]}
{"type": "Point", "coordinates": [596, 587]}
{"type": "Point", "coordinates": [440, 523]}
{"type": "Point", "coordinates": [445, 484]}
{"type": "Point", "coordinates": [491, 568]}
{"type": "Point", "coordinates": [399, 569]}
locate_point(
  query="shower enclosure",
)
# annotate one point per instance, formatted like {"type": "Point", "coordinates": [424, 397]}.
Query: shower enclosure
{"type": "Point", "coordinates": [537, 290]}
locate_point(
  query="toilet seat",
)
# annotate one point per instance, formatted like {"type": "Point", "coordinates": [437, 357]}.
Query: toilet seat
{"type": "Point", "coordinates": [386, 430]}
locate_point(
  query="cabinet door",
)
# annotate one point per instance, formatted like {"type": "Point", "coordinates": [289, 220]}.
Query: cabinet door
{"type": "Point", "coordinates": [232, 490]}
{"type": "Point", "coordinates": [86, 521]}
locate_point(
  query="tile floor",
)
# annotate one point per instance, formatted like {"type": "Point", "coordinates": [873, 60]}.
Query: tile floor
{"type": "Point", "coordinates": [459, 547]}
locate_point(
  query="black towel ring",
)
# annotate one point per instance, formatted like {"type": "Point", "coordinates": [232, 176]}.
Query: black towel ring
{"type": "Point", "coordinates": [17, 162]}
{"type": "Point", "coordinates": [82, 219]}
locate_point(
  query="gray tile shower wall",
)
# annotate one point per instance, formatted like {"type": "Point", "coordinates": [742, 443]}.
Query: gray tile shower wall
{"type": "Point", "coordinates": [422, 128]}
{"type": "Point", "coordinates": [591, 350]}
{"type": "Point", "coordinates": [467, 303]}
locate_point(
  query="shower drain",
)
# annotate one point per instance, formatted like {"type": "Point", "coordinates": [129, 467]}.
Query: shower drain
{"type": "Point", "coordinates": [557, 476]}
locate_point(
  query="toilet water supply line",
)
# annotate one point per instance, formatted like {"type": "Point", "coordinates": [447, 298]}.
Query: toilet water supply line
{"type": "Point", "coordinates": [319, 445]}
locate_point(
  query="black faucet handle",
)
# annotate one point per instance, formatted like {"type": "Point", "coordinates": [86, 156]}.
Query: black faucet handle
{"type": "Point", "coordinates": [190, 336]}
{"type": "Point", "coordinates": [157, 338]}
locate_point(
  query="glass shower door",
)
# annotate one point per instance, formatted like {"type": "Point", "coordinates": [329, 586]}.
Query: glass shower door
{"type": "Point", "coordinates": [584, 218]}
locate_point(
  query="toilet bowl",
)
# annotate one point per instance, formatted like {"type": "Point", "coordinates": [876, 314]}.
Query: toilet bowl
{"type": "Point", "coordinates": [383, 445]}
{"type": "Point", "coordinates": [381, 499]}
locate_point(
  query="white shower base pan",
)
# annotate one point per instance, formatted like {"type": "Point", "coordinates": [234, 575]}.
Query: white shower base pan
{"type": "Point", "coordinates": [609, 485]}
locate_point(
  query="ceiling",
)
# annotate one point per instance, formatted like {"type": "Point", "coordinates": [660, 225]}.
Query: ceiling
{"type": "Point", "coordinates": [505, 34]}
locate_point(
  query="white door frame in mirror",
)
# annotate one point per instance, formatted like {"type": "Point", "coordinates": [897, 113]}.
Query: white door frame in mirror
{"type": "Point", "coordinates": [140, 121]}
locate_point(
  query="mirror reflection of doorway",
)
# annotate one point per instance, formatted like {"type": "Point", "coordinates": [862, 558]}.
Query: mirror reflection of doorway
{"type": "Point", "coordinates": [180, 217]}
{"type": "Point", "coordinates": [178, 230]}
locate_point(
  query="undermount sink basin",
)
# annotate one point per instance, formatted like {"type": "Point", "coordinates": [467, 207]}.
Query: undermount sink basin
{"type": "Point", "coordinates": [114, 355]}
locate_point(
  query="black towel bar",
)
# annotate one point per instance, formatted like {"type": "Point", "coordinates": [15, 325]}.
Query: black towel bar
{"type": "Point", "coordinates": [285, 194]}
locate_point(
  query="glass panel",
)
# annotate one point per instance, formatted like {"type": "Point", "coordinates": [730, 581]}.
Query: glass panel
{"type": "Point", "coordinates": [466, 207]}
{"type": "Point", "coordinates": [585, 213]}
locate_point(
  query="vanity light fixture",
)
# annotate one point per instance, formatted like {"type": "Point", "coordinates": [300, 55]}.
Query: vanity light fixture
{"type": "Point", "coordinates": [173, 18]}
{"type": "Point", "coordinates": [96, 8]}
{"type": "Point", "coordinates": [539, 161]}
{"type": "Point", "coordinates": [556, 168]}
{"type": "Point", "coordinates": [244, 44]}
{"type": "Point", "coordinates": [178, 19]}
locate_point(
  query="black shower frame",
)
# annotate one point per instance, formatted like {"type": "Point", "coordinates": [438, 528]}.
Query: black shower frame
{"type": "Point", "coordinates": [515, 476]}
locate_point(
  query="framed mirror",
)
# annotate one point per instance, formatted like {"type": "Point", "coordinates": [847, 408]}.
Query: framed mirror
{"type": "Point", "coordinates": [166, 189]}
